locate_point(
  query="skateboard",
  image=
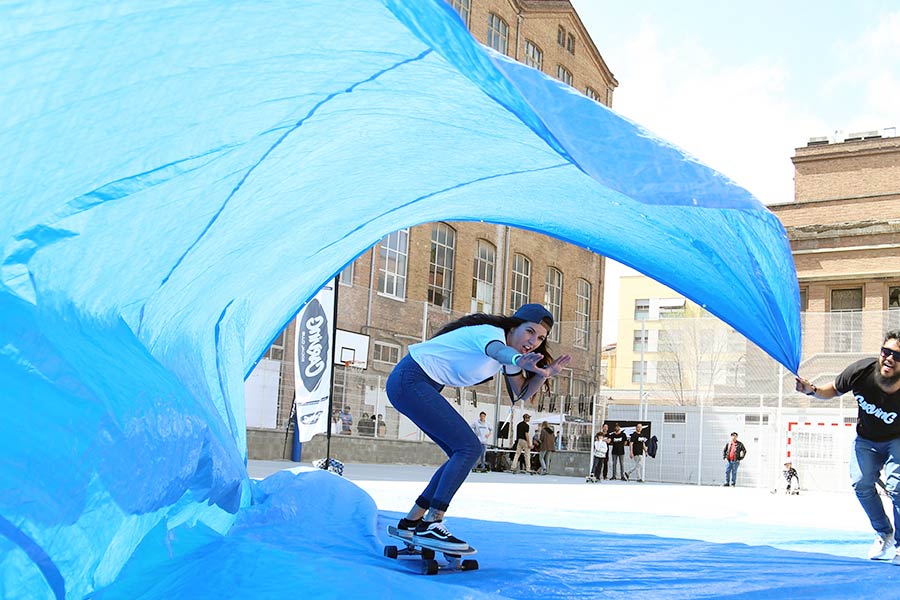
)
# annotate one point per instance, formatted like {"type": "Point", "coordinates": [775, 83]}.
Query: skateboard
{"type": "Point", "coordinates": [426, 552]}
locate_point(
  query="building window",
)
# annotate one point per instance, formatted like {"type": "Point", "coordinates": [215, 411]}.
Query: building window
{"type": "Point", "coordinates": [671, 312]}
{"type": "Point", "coordinates": [892, 320]}
{"type": "Point", "coordinates": [845, 320]}
{"type": "Point", "coordinates": [592, 94]}
{"type": "Point", "coordinates": [754, 419]}
{"type": "Point", "coordinates": [674, 417]}
{"type": "Point", "coordinates": [640, 340]}
{"type": "Point", "coordinates": [388, 354]}
{"type": "Point", "coordinates": [804, 300]}
{"type": "Point", "coordinates": [345, 277]}
{"type": "Point", "coordinates": [440, 270]}
{"type": "Point", "coordinates": [641, 309]}
{"type": "Point", "coordinates": [582, 313]}
{"type": "Point", "coordinates": [276, 350]}
{"type": "Point", "coordinates": [609, 96]}
{"type": "Point", "coordinates": [520, 291]}
{"type": "Point", "coordinates": [563, 74]}
{"type": "Point", "coordinates": [570, 43]}
{"type": "Point", "coordinates": [533, 55]}
{"type": "Point", "coordinates": [561, 36]}
{"type": "Point", "coordinates": [497, 33]}
{"type": "Point", "coordinates": [553, 300]}
{"type": "Point", "coordinates": [463, 7]}
{"type": "Point", "coordinates": [638, 371]}
{"type": "Point", "coordinates": [483, 278]}
{"type": "Point", "coordinates": [392, 272]}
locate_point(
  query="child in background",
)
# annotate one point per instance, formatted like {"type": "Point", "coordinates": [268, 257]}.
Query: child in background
{"type": "Point", "coordinates": [793, 482]}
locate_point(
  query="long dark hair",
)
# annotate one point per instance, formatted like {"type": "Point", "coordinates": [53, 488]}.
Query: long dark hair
{"type": "Point", "coordinates": [507, 324]}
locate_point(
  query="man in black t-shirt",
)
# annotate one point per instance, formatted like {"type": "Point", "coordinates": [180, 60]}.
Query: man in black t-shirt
{"type": "Point", "coordinates": [637, 443]}
{"type": "Point", "coordinates": [618, 440]}
{"type": "Point", "coordinates": [875, 383]}
{"type": "Point", "coordinates": [523, 444]}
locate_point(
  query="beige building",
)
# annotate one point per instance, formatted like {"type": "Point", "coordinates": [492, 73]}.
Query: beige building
{"type": "Point", "coordinates": [416, 279]}
{"type": "Point", "coordinates": [670, 350]}
{"type": "Point", "coordinates": [844, 229]}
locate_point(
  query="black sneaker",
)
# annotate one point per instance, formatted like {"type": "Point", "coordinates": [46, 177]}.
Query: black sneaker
{"type": "Point", "coordinates": [435, 535]}
{"type": "Point", "coordinates": [407, 527]}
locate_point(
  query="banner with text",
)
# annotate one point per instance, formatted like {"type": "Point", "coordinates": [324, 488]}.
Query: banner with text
{"type": "Point", "coordinates": [312, 367]}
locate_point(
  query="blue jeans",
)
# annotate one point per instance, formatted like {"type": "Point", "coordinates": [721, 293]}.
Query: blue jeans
{"type": "Point", "coordinates": [731, 469]}
{"type": "Point", "coordinates": [416, 395]}
{"type": "Point", "coordinates": [482, 460]}
{"type": "Point", "coordinates": [866, 462]}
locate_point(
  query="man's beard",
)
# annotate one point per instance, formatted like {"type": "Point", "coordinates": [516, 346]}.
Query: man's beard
{"type": "Point", "coordinates": [886, 382]}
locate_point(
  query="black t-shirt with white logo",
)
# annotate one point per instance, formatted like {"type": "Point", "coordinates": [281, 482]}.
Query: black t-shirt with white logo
{"type": "Point", "coordinates": [617, 440]}
{"type": "Point", "coordinates": [877, 416]}
{"type": "Point", "coordinates": [638, 442]}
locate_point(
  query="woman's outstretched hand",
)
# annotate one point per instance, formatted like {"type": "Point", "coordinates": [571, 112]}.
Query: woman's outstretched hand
{"type": "Point", "coordinates": [529, 363]}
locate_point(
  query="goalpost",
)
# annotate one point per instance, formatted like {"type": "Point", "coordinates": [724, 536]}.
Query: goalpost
{"type": "Point", "coordinates": [820, 451]}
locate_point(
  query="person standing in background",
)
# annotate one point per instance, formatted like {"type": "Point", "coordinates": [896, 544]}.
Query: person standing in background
{"type": "Point", "coordinates": [637, 443]}
{"type": "Point", "coordinates": [600, 451]}
{"type": "Point", "coordinates": [547, 446]}
{"type": "Point", "coordinates": [484, 431]}
{"type": "Point", "coordinates": [523, 444]}
{"type": "Point", "coordinates": [346, 421]}
{"type": "Point", "coordinates": [604, 433]}
{"type": "Point", "coordinates": [733, 453]}
{"type": "Point", "coordinates": [618, 440]}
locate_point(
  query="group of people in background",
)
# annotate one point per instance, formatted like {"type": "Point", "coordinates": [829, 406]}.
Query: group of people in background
{"type": "Point", "coordinates": [368, 426]}
{"type": "Point", "coordinates": [612, 445]}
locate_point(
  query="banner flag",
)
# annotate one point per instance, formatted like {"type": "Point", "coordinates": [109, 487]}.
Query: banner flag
{"type": "Point", "coordinates": [312, 367]}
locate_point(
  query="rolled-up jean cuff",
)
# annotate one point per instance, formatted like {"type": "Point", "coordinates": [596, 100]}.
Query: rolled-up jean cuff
{"type": "Point", "coordinates": [438, 505]}
{"type": "Point", "coordinates": [423, 503]}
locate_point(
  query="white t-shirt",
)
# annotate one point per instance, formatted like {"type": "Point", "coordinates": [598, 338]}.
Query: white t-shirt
{"type": "Point", "coordinates": [483, 431]}
{"type": "Point", "coordinates": [458, 358]}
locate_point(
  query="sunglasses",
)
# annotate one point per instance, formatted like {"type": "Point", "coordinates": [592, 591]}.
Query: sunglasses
{"type": "Point", "coordinates": [885, 352]}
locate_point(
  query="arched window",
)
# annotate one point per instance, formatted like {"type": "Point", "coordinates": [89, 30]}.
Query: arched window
{"type": "Point", "coordinates": [394, 251]}
{"type": "Point", "coordinates": [497, 33]}
{"type": "Point", "coordinates": [520, 290]}
{"type": "Point", "coordinates": [533, 55]}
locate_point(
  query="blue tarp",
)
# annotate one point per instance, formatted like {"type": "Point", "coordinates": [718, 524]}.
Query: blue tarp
{"type": "Point", "coordinates": [178, 178]}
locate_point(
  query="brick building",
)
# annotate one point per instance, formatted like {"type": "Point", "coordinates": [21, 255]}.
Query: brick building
{"type": "Point", "coordinates": [405, 287]}
{"type": "Point", "coordinates": [844, 230]}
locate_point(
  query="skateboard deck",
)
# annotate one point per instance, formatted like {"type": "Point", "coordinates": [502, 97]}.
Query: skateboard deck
{"type": "Point", "coordinates": [426, 552]}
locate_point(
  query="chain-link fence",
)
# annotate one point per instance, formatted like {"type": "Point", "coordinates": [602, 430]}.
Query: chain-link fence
{"type": "Point", "coordinates": [695, 379]}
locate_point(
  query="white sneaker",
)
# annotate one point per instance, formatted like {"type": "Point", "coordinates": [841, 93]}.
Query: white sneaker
{"type": "Point", "coordinates": [883, 547]}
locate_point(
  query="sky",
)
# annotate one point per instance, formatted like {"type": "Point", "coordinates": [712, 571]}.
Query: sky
{"type": "Point", "coordinates": [740, 85]}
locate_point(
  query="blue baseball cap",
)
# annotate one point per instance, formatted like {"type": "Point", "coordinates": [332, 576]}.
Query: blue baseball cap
{"type": "Point", "coordinates": [534, 313]}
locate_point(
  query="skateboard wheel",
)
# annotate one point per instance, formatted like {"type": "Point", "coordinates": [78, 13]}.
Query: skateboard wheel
{"type": "Point", "coordinates": [390, 551]}
{"type": "Point", "coordinates": [430, 567]}
{"type": "Point", "coordinates": [470, 564]}
{"type": "Point", "coordinates": [427, 553]}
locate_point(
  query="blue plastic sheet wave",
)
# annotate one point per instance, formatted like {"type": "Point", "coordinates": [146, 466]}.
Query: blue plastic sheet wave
{"type": "Point", "coordinates": [178, 178]}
